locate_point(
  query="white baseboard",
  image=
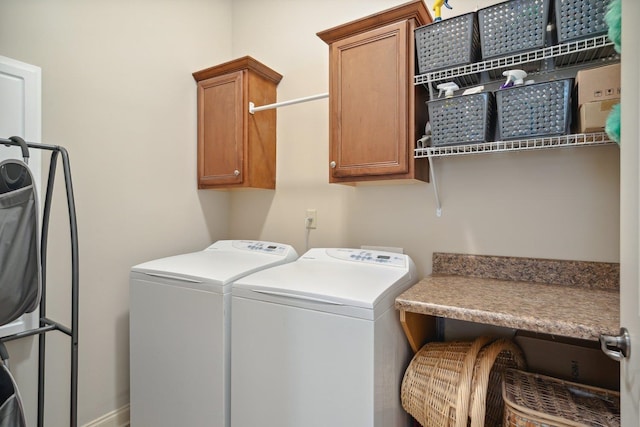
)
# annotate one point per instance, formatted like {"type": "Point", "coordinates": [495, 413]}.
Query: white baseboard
{"type": "Point", "coordinates": [117, 418]}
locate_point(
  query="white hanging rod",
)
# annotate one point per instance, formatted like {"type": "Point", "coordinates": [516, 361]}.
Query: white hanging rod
{"type": "Point", "coordinates": [253, 108]}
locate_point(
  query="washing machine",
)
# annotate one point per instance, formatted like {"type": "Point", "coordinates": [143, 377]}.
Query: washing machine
{"type": "Point", "coordinates": [180, 313]}
{"type": "Point", "coordinates": [318, 342]}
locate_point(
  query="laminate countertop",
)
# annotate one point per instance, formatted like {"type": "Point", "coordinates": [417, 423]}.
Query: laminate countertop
{"type": "Point", "coordinates": [520, 294]}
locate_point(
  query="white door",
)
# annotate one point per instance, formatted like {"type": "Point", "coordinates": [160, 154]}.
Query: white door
{"type": "Point", "coordinates": [20, 116]}
{"type": "Point", "coordinates": [630, 214]}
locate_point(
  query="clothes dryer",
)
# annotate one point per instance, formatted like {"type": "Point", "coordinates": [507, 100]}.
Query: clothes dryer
{"type": "Point", "coordinates": [318, 342]}
{"type": "Point", "coordinates": [180, 313]}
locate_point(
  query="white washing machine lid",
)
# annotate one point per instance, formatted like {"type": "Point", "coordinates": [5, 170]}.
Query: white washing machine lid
{"type": "Point", "coordinates": [218, 266]}
{"type": "Point", "coordinates": [353, 282]}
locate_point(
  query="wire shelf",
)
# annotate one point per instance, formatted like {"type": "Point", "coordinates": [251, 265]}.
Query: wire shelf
{"type": "Point", "coordinates": [574, 52]}
{"type": "Point", "coordinates": [575, 140]}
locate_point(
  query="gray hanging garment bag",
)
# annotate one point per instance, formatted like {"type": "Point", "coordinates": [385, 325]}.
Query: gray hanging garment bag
{"type": "Point", "coordinates": [20, 275]}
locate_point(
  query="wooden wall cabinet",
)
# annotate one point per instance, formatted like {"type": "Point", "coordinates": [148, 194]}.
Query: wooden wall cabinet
{"type": "Point", "coordinates": [236, 149]}
{"type": "Point", "coordinates": [372, 97]}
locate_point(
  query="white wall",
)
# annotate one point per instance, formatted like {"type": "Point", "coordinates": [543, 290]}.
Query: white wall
{"type": "Point", "coordinates": [559, 204]}
{"type": "Point", "coordinates": [118, 93]}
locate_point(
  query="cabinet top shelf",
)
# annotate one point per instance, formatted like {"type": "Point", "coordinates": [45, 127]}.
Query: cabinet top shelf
{"type": "Point", "coordinates": [576, 140]}
{"type": "Point", "coordinates": [415, 9]}
{"type": "Point", "coordinates": [579, 52]}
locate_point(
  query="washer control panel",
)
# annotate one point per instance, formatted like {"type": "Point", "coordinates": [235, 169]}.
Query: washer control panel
{"type": "Point", "coordinates": [370, 257]}
{"type": "Point", "coordinates": [258, 246]}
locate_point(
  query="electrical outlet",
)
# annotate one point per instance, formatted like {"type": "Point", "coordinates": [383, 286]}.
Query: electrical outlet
{"type": "Point", "coordinates": [311, 219]}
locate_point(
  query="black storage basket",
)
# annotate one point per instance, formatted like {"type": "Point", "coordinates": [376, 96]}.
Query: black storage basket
{"type": "Point", "coordinates": [464, 119]}
{"type": "Point", "coordinates": [535, 110]}
{"type": "Point", "coordinates": [448, 43]}
{"type": "Point", "coordinates": [580, 19]}
{"type": "Point", "coordinates": [513, 27]}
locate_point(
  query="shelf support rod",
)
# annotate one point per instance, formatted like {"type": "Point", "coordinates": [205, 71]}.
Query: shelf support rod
{"type": "Point", "coordinates": [254, 109]}
{"type": "Point", "coordinates": [432, 172]}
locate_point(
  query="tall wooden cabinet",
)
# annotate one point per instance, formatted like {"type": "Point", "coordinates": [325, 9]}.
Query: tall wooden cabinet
{"type": "Point", "coordinates": [372, 97]}
{"type": "Point", "coordinates": [236, 149]}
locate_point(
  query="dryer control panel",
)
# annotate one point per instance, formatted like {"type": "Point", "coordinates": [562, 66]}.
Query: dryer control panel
{"type": "Point", "coordinates": [259, 246]}
{"type": "Point", "coordinates": [370, 257]}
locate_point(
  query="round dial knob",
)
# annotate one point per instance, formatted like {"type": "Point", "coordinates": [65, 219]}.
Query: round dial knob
{"type": "Point", "coordinates": [332, 164]}
{"type": "Point", "coordinates": [236, 172]}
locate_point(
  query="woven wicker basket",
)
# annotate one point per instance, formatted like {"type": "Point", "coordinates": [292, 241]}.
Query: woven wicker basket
{"type": "Point", "coordinates": [487, 405]}
{"type": "Point", "coordinates": [437, 384]}
{"type": "Point", "coordinates": [533, 400]}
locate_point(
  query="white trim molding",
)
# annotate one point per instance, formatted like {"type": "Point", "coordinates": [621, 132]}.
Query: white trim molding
{"type": "Point", "coordinates": [117, 418]}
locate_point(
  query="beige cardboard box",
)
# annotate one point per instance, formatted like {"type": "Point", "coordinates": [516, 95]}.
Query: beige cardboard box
{"type": "Point", "coordinates": [592, 116]}
{"type": "Point", "coordinates": [569, 359]}
{"type": "Point", "coordinates": [598, 84]}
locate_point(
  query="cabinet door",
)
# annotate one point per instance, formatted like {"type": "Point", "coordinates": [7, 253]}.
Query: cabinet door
{"type": "Point", "coordinates": [220, 130]}
{"type": "Point", "coordinates": [369, 103]}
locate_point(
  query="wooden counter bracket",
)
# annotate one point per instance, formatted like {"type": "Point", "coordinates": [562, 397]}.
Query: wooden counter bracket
{"type": "Point", "coordinates": [418, 328]}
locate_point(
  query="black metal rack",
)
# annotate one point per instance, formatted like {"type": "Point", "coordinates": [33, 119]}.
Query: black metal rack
{"type": "Point", "coordinates": [47, 324]}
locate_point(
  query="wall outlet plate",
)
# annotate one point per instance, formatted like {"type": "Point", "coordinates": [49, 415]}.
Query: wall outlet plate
{"type": "Point", "coordinates": [311, 219]}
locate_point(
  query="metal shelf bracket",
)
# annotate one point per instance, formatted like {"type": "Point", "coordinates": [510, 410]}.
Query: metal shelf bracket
{"type": "Point", "coordinates": [435, 187]}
